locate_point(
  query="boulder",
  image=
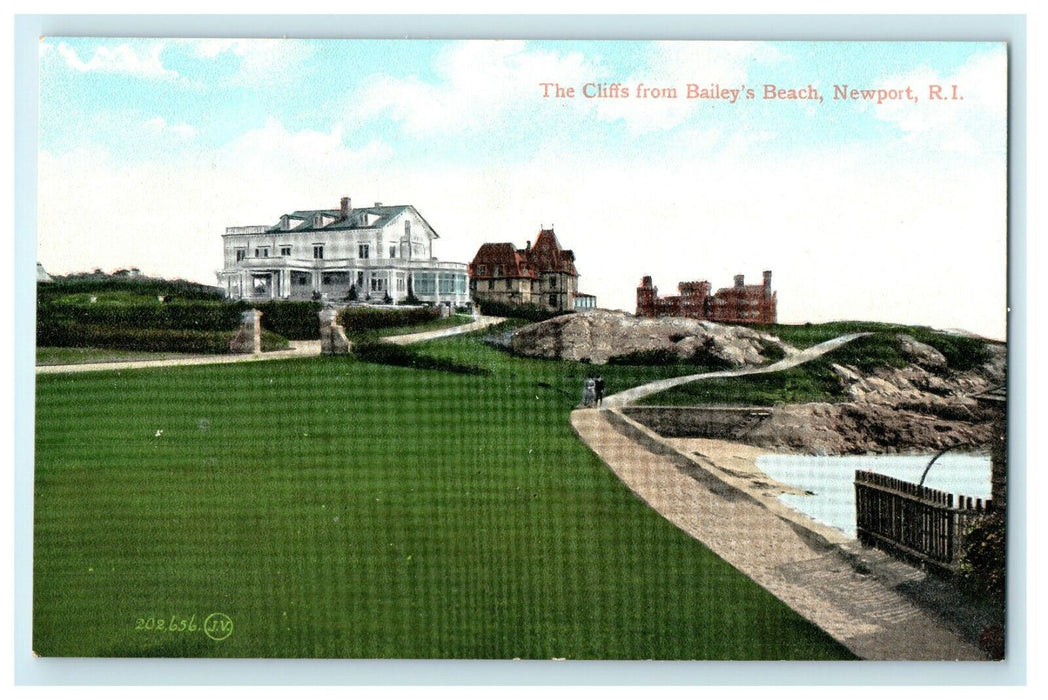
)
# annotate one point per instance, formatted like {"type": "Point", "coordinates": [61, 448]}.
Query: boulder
{"type": "Point", "coordinates": [599, 335]}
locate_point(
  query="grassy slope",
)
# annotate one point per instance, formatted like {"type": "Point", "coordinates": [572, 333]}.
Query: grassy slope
{"type": "Point", "coordinates": [74, 356]}
{"type": "Point", "coordinates": [338, 508]}
{"type": "Point", "coordinates": [816, 381]}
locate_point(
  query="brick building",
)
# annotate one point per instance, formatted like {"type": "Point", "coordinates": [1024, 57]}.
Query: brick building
{"type": "Point", "coordinates": [543, 274]}
{"type": "Point", "coordinates": [741, 303]}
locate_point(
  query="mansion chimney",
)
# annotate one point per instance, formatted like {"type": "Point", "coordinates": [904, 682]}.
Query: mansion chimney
{"type": "Point", "coordinates": [740, 280]}
{"type": "Point", "coordinates": [347, 206]}
{"type": "Point", "coordinates": [767, 284]}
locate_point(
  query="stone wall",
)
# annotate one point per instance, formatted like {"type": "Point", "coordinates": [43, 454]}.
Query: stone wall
{"type": "Point", "coordinates": [722, 423]}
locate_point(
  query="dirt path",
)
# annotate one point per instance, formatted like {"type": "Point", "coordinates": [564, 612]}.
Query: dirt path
{"type": "Point", "coordinates": [624, 398]}
{"type": "Point", "coordinates": [299, 348]}
{"type": "Point", "coordinates": [863, 605]}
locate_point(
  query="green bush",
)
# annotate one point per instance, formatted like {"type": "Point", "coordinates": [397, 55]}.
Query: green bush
{"type": "Point", "coordinates": [655, 357]}
{"type": "Point", "coordinates": [528, 312]}
{"type": "Point", "coordinates": [94, 283]}
{"type": "Point", "coordinates": [292, 319]}
{"type": "Point", "coordinates": [59, 334]}
{"type": "Point", "coordinates": [142, 313]}
{"type": "Point", "coordinates": [358, 319]}
{"type": "Point", "coordinates": [982, 566]}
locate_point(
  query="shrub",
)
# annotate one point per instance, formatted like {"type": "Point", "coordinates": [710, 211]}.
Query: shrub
{"type": "Point", "coordinates": [356, 319]}
{"type": "Point", "coordinates": [58, 334]}
{"type": "Point", "coordinates": [657, 356]}
{"type": "Point", "coordinates": [291, 319]}
{"type": "Point", "coordinates": [528, 312]}
{"type": "Point", "coordinates": [982, 566]}
{"type": "Point", "coordinates": [772, 352]}
{"type": "Point", "coordinates": [961, 353]}
{"type": "Point", "coordinates": [144, 286]}
{"type": "Point", "coordinates": [705, 357]}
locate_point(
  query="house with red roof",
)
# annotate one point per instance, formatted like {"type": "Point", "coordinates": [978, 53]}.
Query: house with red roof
{"type": "Point", "coordinates": [543, 274]}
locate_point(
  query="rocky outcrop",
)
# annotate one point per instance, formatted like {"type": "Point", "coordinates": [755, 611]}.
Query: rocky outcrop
{"type": "Point", "coordinates": [599, 335]}
{"type": "Point", "coordinates": [920, 407]}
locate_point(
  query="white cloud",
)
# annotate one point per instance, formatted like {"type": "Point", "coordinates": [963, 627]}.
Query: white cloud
{"type": "Point", "coordinates": [140, 59]}
{"type": "Point", "coordinates": [262, 61]}
{"type": "Point", "coordinates": [674, 64]}
{"type": "Point", "coordinates": [159, 125]}
{"type": "Point", "coordinates": [166, 218]}
{"type": "Point", "coordinates": [480, 82]}
{"type": "Point", "coordinates": [974, 123]}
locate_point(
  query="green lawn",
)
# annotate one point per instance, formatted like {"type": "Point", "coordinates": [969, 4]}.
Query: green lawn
{"type": "Point", "coordinates": [74, 356]}
{"type": "Point", "coordinates": [336, 508]}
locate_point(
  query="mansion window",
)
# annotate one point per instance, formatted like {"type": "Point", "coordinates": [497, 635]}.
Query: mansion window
{"type": "Point", "coordinates": [299, 279]}
{"type": "Point", "coordinates": [285, 251]}
{"type": "Point", "coordinates": [261, 252]}
{"type": "Point", "coordinates": [552, 282]}
{"type": "Point", "coordinates": [241, 254]}
{"type": "Point", "coordinates": [363, 251]}
{"type": "Point", "coordinates": [318, 252]}
{"type": "Point", "coordinates": [378, 284]}
{"type": "Point", "coordinates": [482, 270]}
{"type": "Point", "coordinates": [509, 284]}
{"type": "Point", "coordinates": [491, 284]}
{"type": "Point", "coordinates": [552, 299]}
{"type": "Point", "coordinates": [392, 251]}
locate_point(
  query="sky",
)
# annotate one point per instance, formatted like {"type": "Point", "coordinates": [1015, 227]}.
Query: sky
{"type": "Point", "coordinates": [890, 211]}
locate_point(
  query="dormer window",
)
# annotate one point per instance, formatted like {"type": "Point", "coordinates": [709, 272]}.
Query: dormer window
{"type": "Point", "coordinates": [285, 222]}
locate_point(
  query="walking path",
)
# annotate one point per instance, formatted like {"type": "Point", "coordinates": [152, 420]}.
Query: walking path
{"type": "Point", "coordinates": [639, 392]}
{"type": "Point", "coordinates": [877, 607]}
{"type": "Point", "coordinates": [300, 348]}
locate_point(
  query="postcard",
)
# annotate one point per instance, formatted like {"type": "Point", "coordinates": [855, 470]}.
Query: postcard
{"type": "Point", "coordinates": [521, 349]}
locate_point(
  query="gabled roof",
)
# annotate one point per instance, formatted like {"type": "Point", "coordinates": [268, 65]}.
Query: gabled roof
{"type": "Point", "coordinates": [547, 255]}
{"type": "Point", "coordinates": [513, 261]}
{"type": "Point", "coordinates": [358, 219]}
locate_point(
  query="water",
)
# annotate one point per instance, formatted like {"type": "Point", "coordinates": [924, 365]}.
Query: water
{"type": "Point", "coordinates": [832, 480]}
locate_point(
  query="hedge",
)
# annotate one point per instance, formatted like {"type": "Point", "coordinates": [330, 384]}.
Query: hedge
{"type": "Point", "coordinates": [528, 312]}
{"type": "Point", "coordinates": [290, 319]}
{"type": "Point", "coordinates": [357, 319]}
{"type": "Point", "coordinates": [52, 334]}
{"type": "Point", "coordinates": [146, 286]}
{"type": "Point", "coordinates": [298, 320]}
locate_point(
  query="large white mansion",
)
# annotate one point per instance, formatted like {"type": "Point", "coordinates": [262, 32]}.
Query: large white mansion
{"type": "Point", "coordinates": [367, 254]}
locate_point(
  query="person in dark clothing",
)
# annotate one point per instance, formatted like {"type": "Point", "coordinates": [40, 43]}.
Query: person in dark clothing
{"type": "Point", "coordinates": [599, 390]}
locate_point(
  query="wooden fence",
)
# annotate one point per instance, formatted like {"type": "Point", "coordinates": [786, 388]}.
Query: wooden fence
{"type": "Point", "coordinates": [914, 521]}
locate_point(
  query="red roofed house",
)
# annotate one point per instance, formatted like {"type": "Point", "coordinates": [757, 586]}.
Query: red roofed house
{"type": "Point", "coordinates": [742, 303]}
{"type": "Point", "coordinates": [543, 274]}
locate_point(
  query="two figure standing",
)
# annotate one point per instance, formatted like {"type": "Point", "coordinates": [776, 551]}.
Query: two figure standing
{"type": "Point", "coordinates": [593, 392]}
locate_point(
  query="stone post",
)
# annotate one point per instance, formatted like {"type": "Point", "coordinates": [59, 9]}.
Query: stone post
{"type": "Point", "coordinates": [333, 340]}
{"type": "Point", "coordinates": [249, 336]}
